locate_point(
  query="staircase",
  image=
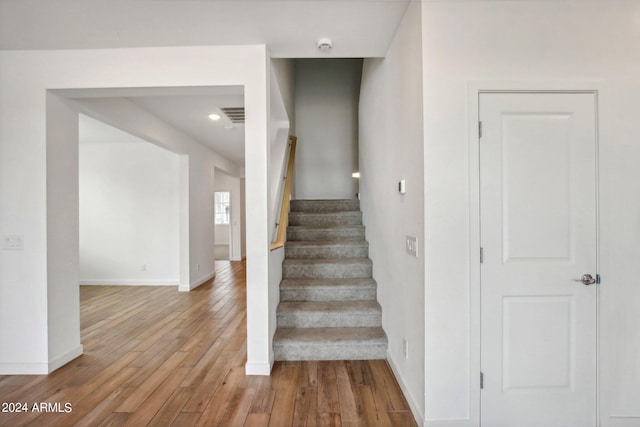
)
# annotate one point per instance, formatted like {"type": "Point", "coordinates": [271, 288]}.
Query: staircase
{"type": "Point", "coordinates": [328, 308]}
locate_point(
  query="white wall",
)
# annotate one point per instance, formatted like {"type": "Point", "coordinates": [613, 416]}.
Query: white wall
{"type": "Point", "coordinates": [554, 44]}
{"type": "Point", "coordinates": [39, 149]}
{"type": "Point", "coordinates": [225, 236]}
{"type": "Point", "coordinates": [275, 277]}
{"type": "Point", "coordinates": [243, 219]}
{"type": "Point", "coordinates": [284, 73]}
{"type": "Point", "coordinates": [222, 234]}
{"type": "Point", "coordinates": [391, 145]}
{"type": "Point", "coordinates": [279, 123]}
{"type": "Point", "coordinates": [129, 214]}
{"type": "Point", "coordinates": [326, 105]}
{"type": "Point", "coordinates": [58, 248]}
{"type": "Point", "coordinates": [279, 130]}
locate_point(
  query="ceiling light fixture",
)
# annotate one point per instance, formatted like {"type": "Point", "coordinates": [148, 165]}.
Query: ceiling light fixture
{"type": "Point", "coordinates": [324, 45]}
{"type": "Point", "coordinates": [214, 116]}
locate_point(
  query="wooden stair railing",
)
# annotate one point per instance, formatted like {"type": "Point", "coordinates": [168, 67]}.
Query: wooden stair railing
{"type": "Point", "coordinates": [286, 195]}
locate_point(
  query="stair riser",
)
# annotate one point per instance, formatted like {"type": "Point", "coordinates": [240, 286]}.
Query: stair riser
{"type": "Point", "coordinates": [326, 252]}
{"type": "Point", "coordinates": [325, 234]}
{"type": "Point", "coordinates": [323, 351]}
{"type": "Point", "coordinates": [327, 271]}
{"type": "Point", "coordinates": [324, 205]}
{"type": "Point", "coordinates": [328, 294]}
{"type": "Point", "coordinates": [307, 319]}
{"type": "Point", "coordinates": [326, 219]}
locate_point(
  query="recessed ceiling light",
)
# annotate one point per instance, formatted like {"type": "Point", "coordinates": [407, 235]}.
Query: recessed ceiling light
{"type": "Point", "coordinates": [214, 116]}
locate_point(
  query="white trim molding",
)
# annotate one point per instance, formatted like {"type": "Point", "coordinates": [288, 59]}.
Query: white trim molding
{"type": "Point", "coordinates": [192, 286]}
{"type": "Point", "coordinates": [129, 283]}
{"type": "Point", "coordinates": [65, 358]}
{"type": "Point", "coordinates": [258, 368]}
{"type": "Point", "coordinates": [418, 416]}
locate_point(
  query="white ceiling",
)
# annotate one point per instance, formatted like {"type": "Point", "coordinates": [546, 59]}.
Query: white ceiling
{"type": "Point", "coordinates": [92, 131]}
{"type": "Point", "coordinates": [290, 28]}
{"type": "Point", "coordinates": [188, 114]}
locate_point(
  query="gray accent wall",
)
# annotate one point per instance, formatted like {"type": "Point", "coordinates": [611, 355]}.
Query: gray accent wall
{"type": "Point", "coordinates": [327, 93]}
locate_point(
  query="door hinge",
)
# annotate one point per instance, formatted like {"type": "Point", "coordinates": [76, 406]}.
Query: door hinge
{"type": "Point", "coordinates": [481, 380]}
{"type": "Point", "coordinates": [481, 255]}
{"type": "Point", "coordinates": [479, 129]}
{"type": "Point", "coordinates": [597, 279]}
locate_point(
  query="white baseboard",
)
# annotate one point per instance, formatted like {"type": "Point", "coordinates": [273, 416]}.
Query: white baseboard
{"type": "Point", "coordinates": [65, 358]}
{"type": "Point", "coordinates": [454, 422]}
{"type": "Point", "coordinates": [417, 414]}
{"type": "Point", "coordinates": [258, 368]}
{"type": "Point", "coordinates": [192, 286]}
{"type": "Point", "coordinates": [129, 283]}
{"type": "Point", "coordinates": [40, 368]}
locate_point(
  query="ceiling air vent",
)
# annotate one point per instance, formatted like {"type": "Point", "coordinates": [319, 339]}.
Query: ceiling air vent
{"type": "Point", "coordinates": [235, 114]}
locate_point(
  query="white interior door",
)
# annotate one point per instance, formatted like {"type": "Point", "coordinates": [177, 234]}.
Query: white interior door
{"type": "Point", "coordinates": [538, 234]}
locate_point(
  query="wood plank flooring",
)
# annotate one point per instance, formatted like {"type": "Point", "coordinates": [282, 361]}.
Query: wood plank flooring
{"type": "Point", "coordinates": [156, 357]}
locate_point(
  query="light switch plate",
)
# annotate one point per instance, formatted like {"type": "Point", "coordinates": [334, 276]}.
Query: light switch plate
{"type": "Point", "coordinates": [412, 245]}
{"type": "Point", "coordinates": [13, 243]}
{"type": "Point", "coordinates": [402, 186]}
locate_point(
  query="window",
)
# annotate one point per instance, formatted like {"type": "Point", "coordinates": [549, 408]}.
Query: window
{"type": "Point", "coordinates": [222, 207]}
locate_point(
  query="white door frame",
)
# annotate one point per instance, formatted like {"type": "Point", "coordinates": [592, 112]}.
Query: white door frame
{"type": "Point", "coordinates": [474, 89]}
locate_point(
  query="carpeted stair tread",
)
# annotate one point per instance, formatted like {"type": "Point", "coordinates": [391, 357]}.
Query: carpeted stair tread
{"type": "Point", "coordinates": [351, 336]}
{"type": "Point", "coordinates": [338, 232]}
{"type": "Point", "coordinates": [330, 268]}
{"type": "Point", "coordinates": [318, 261]}
{"type": "Point", "coordinates": [329, 306]}
{"type": "Point", "coordinates": [353, 289]}
{"type": "Point", "coordinates": [305, 249]}
{"type": "Point", "coordinates": [329, 314]}
{"type": "Point", "coordinates": [325, 218]}
{"type": "Point", "coordinates": [324, 243]}
{"type": "Point", "coordinates": [360, 343]}
{"type": "Point", "coordinates": [336, 205]}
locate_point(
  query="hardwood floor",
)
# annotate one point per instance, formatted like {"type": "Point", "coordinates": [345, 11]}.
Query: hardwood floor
{"type": "Point", "coordinates": [154, 356]}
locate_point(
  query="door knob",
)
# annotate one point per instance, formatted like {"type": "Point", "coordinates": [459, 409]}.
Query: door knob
{"type": "Point", "coordinates": [586, 279]}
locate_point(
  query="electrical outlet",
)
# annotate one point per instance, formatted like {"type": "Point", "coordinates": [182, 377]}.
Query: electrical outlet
{"type": "Point", "coordinates": [412, 246]}
{"type": "Point", "coordinates": [143, 267]}
{"type": "Point", "coordinates": [197, 267]}
{"type": "Point", "coordinates": [406, 348]}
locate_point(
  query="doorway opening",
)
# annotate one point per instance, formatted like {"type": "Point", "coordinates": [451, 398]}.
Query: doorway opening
{"type": "Point", "coordinates": [151, 196]}
{"type": "Point", "coordinates": [229, 218]}
{"type": "Point", "coordinates": [223, 225]}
